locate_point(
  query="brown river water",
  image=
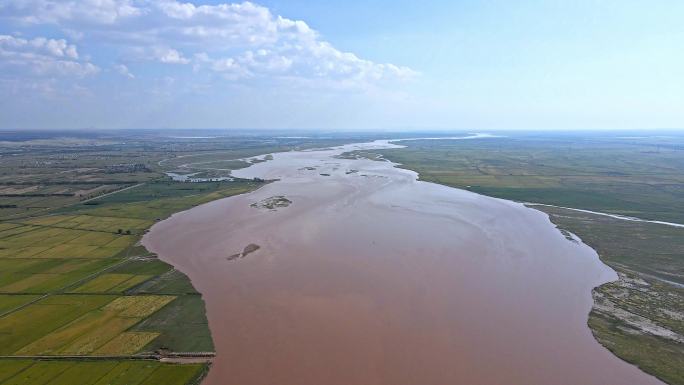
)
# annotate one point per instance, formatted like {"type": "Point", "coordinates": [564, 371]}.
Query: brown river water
{"type": "Point", "coordinates": [372, 277]}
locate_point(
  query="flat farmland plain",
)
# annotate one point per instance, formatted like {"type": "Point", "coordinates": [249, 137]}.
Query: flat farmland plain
{"type": "Point", "coordinates": [25, 372]}
{"type": "Point", "coordinates": [74, 280]}
{"type": "Point", "coordinates": [77, 284]}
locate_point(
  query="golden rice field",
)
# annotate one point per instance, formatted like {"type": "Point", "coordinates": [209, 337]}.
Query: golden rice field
{"type": "Point", "coordinates": [126, 343]}
{"type": "Point", "coordinates": [90, 222]}
{"type": "Point", "coordinates": [78, 285]}
{"type": "Point", "coordinates": [10, 302]}
{"type": "Point", "coordinates": [38, 276]}
{"type": "Point", "coordinates": [139, 306]}
{"type": "Point", "coordinates": [111, 283]}
{"type": "Point", "coordinates": [28, 241]}
{"type": "Point", "coordinates": [28, 372]}
{"type": "Point", "coordinates": [99, 320]}
{"type": "Point", "coordinates": [31, 323]}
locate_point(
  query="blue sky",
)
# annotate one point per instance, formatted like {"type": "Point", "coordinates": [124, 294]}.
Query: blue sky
{"type": "Point", "coordinates": [473, 65]}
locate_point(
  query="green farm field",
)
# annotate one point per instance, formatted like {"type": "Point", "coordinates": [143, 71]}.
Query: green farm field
{"type": "Point", "coordinates": [91, 284]}
{"type": "Point", "coordinates": [28, 372]}
{"type": "Point", "coordinates": [74, 282]}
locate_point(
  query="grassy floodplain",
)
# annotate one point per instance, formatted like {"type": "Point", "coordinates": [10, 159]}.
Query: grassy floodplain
{"type": "Point", "coordinates": [80, 300]}
{"type": "Point", "coordinates": [640, 317]}
{"type": "Point", "coordinates": [634, 177]}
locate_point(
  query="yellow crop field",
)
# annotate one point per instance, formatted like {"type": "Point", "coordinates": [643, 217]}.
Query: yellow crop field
{"type": "Point", "coordinates": [53, 342]}
{"type": "Point", "coordinates": [121, 241]}
{"type": "Point", "coordinates": [44, 236]}
{"type": "Point", "coordinates": [9, 368]}
{"type": "Point", "coordinates": [48, 220]}
{"type": "Point", "coordinates": [95, 238]}
{"type": "Point", "coordinates": [30, 251]}
{"type": "Point", "coordinates": [38, 243]}
{"type": "Point", "coordinates": [139, 305]}
{"type": "Point", "coordinates": [135, 280]}
{"type": "Point", "coordinates": [16, 230]}
{"type": "Point", "coordinates": [90, 341]}
{"type": "Point", "coordinates": [130, 372]}
{"type": "Point", "coordinates": [173, 374]}
{"type": "Point", "coordinates": [81, 299]}
{"type": "Point", "coordinates": [126, 343]}
{"type": "Point", "coordinates": [7, 226]}
{"type": "Point", "coordinates": [101, 329]}
{"type": "Point", "coordinates": [24, 252]}
{"type": "Point", "coordinates": [14, 270]}
{"type": "Point", "coordinates": [67, 250]}
{"type": "Point", "coordinates": [110, 372]}
{"type": "Point", "coordinates": [100, 223]}
{"type": "Point", "coordinates": [103, 283]}
{"type": "Point", "coordinates": [105, 252]}
{"type": "Point", "coordinates": [12, 301]}
{"type": "Point", "coordinates": [66, 221]}
{"type": "Point", "coordinates": [30, 281]}
{"type": "Point", "coordinates": [84, 372]}
{"type": "Point", "coordinates": [46, 275]}
{"type": "Point", "coordinates": [54, 242]}
{"type": "Point", "coordinates": [39, 373]}
{"type": "Point", "coordinates": [11, 266]}
{"type": "Point", "coordinates": [69, 265]}
{"type": "Point", "coordinates": [31, 323]}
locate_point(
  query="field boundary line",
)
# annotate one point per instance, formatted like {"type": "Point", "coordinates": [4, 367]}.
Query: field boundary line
{"type": "Point", "coordinates": [169, 357]}
{"type": "Point", "coordinates": [111, 193]}
{"type": "Point", "coordinates": [62, 289]}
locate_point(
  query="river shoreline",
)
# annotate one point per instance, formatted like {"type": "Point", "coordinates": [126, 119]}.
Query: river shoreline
{"type": "Point", "coordinates": [306, 235]}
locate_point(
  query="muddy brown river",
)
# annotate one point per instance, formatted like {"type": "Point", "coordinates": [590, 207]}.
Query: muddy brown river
{"type": "Point", "coordinates": [370, 277]}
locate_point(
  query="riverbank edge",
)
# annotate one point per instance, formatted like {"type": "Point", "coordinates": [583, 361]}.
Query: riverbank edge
{"type": "Point", "coordinates": [595, 315]}
{"type": "Point", "coordinates": [609, 321]}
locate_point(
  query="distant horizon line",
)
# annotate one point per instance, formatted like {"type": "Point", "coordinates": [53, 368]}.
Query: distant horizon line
{"type": "Point", "coordinates": [389, 130]}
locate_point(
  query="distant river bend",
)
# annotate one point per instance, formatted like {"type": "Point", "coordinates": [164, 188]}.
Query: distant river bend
{"type": "Point", "coordinates": [372, 277]}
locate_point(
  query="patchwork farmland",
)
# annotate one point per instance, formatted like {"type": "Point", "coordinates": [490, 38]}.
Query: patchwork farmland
{"type": "Point", "coordinates": [79, 298]}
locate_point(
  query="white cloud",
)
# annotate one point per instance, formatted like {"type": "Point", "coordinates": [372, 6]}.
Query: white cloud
{"type": "Point", "coordinates": [60, 11]}
{"type": "Point", "coordinates": [42, 57]}
{"type": "Point", "coordinates": [169, 56]}
{"type": "Point", "coordinates": [123, 71]}
{"type": "Point", "coordinates": [233, 40]}
{"type": "Point", "coordinates": [40, 45]}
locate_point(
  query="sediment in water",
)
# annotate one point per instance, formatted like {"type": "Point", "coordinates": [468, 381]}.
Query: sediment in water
{"type": "Point", "coordinates": [375, 278]}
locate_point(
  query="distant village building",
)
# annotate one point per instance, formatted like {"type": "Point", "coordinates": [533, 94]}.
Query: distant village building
{"type": "Point", "coordinates": [126, 168]}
